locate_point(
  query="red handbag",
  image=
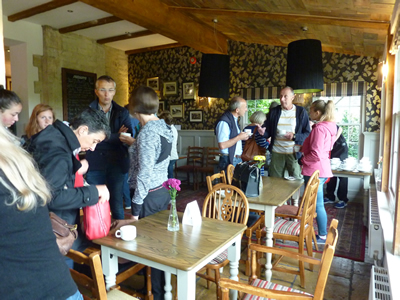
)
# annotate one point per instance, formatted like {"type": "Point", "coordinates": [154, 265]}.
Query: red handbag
{"type": "Point", "coordinates": [97, 220]}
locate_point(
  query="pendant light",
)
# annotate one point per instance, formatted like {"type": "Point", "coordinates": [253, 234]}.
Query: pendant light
{"type": "Point", "coordinates": [304, 72]}
{"type": "Point", "coordinates": [214, 76]}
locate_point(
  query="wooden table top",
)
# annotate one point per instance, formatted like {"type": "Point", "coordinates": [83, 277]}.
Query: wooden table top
{"type": "Point", "coordinates": [351, 173]}
{"type": "Point", "coordinates": [183, 249]}
{"type": "Point", "coordinates": [276, 191]}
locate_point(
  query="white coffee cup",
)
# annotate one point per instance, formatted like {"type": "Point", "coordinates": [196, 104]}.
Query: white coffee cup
{"type": "Point", "coordinates": [297, 148]}
{"type": "Point", "coordinates": [248, 131]}
{"type": "Point", "coordinates": [282, 132]}
{"type": "Point", "coordinates": [216, 157]}
{"type": "Point", "coordinates": [127, 233]}
{"type": "Point", "coordinates": [126, 133]}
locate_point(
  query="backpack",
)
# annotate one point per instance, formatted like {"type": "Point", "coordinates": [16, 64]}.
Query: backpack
{"type": "Point", "coordinates": [247, 177]}
{"type": "Point", "coordinates": [251, 148]}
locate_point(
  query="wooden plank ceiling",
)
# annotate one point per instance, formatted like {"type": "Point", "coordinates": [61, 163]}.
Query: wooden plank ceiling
{"type": "Point", "coordinates": [343, 26]}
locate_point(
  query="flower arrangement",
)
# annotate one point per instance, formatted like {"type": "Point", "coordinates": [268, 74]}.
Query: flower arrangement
{"type": "Point", "coordinates": [260, 160]}
{"type": "Point", "coordinates": [380, 162]}
{"type": "Point", "coordinates": [173, 186]}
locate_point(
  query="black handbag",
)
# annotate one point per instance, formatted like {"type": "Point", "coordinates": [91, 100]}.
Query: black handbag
{"type": "Point", "coordinates": [247, 177]}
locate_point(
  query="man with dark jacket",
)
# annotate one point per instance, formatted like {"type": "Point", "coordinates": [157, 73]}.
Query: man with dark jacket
{"type": "Point", "coordinates": [109, 163]}
{"type": "Point", "coordinates": [287, 125]}
{"type": "Point", "coordinates": [54, 149]}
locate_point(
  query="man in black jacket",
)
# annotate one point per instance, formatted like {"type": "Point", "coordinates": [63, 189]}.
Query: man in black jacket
{"type": "Point", "coordinates": [109, 163]}
{"type": "Point", "coordinates": [54, 149]}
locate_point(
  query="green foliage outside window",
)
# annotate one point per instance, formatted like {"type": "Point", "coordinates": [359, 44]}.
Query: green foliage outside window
{"type": "Point", "coordinates": [257, 105]}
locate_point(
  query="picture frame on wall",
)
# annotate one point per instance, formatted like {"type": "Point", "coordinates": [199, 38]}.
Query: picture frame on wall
{"type": "Point", "coordinates": [176, 110]}
{"type": "Point", "coordinates": [170, 88]}
{"type": "Point", "coordinates": [153, 82]}
{"type": "Point", "coordinates": [196, 116]}
{"type": "Point", "coordinates": [189, 91]}
{"type": "Point", "coordinates": [161, 106]}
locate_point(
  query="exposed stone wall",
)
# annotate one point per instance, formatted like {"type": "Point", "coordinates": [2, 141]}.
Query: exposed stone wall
{"type": "Point", "coordinates": [78, 53]}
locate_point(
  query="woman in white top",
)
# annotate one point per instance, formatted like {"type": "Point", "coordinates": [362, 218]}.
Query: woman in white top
{"type": "Point", "coordinates": [167, 117]}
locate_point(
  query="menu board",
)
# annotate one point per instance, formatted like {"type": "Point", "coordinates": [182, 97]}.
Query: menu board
{"type": "Point", "coordinates": [77, 91]}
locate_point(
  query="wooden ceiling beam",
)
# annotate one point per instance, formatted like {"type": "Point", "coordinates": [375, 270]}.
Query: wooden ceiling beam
{"type": "Point", "coordinates": [125, 36]}
{"type": "Point", "coordinates": [296, 18]}
{"type": "Point", "coordinates": [39, 9]}
{"type": "Point", "coordinates": [149, 49]}
{"type": "Point", "coordinates": [93, 23]}
{"type": "Point", "coordinates": [159, 18]}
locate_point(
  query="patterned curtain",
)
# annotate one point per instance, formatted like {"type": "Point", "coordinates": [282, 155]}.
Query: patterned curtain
{"type": "Point", "coordinates": [357, 88]}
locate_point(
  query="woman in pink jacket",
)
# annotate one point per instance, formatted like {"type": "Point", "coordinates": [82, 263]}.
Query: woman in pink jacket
{"type": "Point", "coordinates": [316, 149]}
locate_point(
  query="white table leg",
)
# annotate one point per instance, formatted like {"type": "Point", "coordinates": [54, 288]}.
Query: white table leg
{"type": "Point", "coordinates": [269, 224]}
{"type": "Point", "coordinates": [233, 256]}
{"type": "Point", "coordinates": [186, 285]}
{"type": "Point", "coordinates": [110, 266]}
{"type": "Point", "coordinates": [296, 197]}
{"type": "Point", "coordinates": [168, 286]}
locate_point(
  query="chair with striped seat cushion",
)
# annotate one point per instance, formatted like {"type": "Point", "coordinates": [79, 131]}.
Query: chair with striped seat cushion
{"type": "Point", "coordinates": [258, 289]}
{"type": "Point", "coordinates": [226, 203]}
{"type": "Point", "coordinates": [301, 231]}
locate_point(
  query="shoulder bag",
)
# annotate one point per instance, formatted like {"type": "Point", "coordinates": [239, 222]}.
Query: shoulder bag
{"type": "Point", "coordinates": [251, 148]}
{"type": "Point", "coordinates": [65, 233]}
{"type": "Point", "coordinates": [247, 177]}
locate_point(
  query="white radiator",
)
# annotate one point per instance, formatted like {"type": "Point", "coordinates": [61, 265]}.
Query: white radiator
{"type": "Point", "coordinates": [375, 235]}
{"type": "Point", "coordinates": [379, 287]}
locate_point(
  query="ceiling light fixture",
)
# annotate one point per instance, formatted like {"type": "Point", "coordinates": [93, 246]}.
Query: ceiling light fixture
{"type": "Point", "coordinates": [214, 73]}
{"type": "Point", "coordinates": [304, 72]}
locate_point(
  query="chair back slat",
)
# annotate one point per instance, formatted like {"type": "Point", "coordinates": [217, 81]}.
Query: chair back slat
{"type": "Point", "coordinates": [310, 201]}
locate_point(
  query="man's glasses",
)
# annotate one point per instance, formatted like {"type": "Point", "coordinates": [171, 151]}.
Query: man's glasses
{"type": "Point", "coordinates": [105, 90]}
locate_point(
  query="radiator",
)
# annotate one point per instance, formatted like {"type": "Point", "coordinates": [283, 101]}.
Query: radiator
{"type": "Point", "coordinates": [379, 287]}
{"type": "Point", "coordinates": [375, 234]}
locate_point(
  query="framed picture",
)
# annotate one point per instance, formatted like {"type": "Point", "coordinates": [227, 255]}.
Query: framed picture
{"type": "Point", "coordinates": [176, 110]}
{"type": "Point", "coordinates": [188, 90]}
{"type": "Point", "coordinates": [161, 106]}
{"type": "Point", "coordinates": [170, 88]}
{"type": "Point", "coordinates": [153, 83]}
{"type": "Point", "coordinates": [196, 116]}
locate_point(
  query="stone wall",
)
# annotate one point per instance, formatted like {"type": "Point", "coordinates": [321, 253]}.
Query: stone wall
{"type": "Point", "coordinates": [78, 53]}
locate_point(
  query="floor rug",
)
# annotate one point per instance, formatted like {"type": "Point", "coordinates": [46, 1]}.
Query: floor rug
{"type": "Point", "coordinates": [351, 243]}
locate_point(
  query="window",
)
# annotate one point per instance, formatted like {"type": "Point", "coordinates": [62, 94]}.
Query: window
{"type": "Point", "coordinates": [348, 117]}
{"type": "Point", "coordinates": [256, 105]}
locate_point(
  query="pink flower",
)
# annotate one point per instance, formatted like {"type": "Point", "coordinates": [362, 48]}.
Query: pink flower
{"type": "Point", "coordinates": [172, 183]}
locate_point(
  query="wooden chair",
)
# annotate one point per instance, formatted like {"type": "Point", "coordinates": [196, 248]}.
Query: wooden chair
{"type": "Point", "coordinates": [267, 290]}
{"type": "Point", "coordinates": [295, 211]}
{"type": "Point", "coordinates": [220, 176]}
{"type": "Point", "coordinates": [298, 231]}
{"type": "Point", "coordinates": [194, 160]}
{"type": "Point", "coordinates": [94, 286]}
{"type": "Point", "coordinates": [233, 207]}
{"type": "Point", "coordinates": [229, 173]}
{"type": "Point", "coordinates": [209, 163]}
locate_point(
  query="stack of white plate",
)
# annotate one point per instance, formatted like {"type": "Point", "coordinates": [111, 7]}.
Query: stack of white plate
{"type": "Point", "coordinates": [364, 165]}
{"type": "Point", "coordinates": [335, 163]}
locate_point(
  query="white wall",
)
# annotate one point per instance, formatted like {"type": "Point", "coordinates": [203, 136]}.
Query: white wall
{"type": "Point", "coordinates": [25, 40]}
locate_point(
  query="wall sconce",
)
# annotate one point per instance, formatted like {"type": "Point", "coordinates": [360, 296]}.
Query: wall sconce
{"type": "Point", "coordinates": [214, 76]}
{"type": "Point", "coordinates": [304, 72]}
{"type": "Point", "coordinates": [383, 70]}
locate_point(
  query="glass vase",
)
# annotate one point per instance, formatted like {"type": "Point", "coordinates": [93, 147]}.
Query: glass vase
{"type": "Point", "coordinates": [173, 220]}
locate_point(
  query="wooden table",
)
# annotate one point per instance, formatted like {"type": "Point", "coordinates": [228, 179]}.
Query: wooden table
{"type": "Point", "coordinates": [275, 192]}
{"type": "Point", "coordinates": [182, 253]}
{"type": "Point", "coordinates": [365, 176]}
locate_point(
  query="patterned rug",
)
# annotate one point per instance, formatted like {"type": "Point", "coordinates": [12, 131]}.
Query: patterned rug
{"type": "Point", "coordinates": [351, 244]}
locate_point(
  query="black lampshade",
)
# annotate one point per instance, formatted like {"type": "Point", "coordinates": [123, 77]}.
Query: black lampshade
{"type": "Point", "coordinates": [214, 76]}
{"type": "Point", "coordinates": [304, 71]}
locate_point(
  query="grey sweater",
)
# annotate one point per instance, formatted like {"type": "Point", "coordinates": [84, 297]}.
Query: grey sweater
{"type": "Point", "coordinates": [145, 173]}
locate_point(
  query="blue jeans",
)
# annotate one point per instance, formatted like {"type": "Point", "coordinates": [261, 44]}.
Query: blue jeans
{"type": "Point", "coordinates": [224, 162]}
{"type": "Point", "coordinates": [76, 296]}
{"type": "Point", "coordinates": [322, 219]}
{"type": "Point", "coordinates": [113, 177]}
{"type": "Point", "coordinates": [171, 168]}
